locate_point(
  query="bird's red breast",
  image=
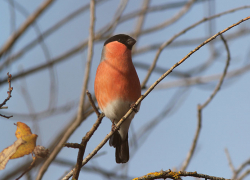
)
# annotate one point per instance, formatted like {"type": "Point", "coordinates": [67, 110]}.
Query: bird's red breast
{"type": "Point", "coordinates": [116, 77]}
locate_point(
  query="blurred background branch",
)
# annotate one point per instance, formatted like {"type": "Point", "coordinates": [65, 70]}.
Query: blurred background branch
{"type": "Point", "coordinates": [45, 45]}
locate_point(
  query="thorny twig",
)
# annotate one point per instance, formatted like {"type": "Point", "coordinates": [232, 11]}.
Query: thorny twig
{"type": "Point", "coordinates": [8, 98]}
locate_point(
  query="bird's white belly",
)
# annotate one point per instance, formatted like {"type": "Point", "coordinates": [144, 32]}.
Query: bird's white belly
{"type": "Point", "coordinates": [116, 110]}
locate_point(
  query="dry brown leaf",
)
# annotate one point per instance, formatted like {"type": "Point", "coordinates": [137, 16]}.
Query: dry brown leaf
{"type": "Point", "coordinates": [27, 147]}
{"type": "Point", "coordinates": [22, 130]}
{"type": "Point", "coordinates": [8, 152]}
{"type": "Point", "coordinates": [25, 144]}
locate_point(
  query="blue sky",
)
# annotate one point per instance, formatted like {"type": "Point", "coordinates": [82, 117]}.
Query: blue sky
{"type": "Point", "coordinates": [225, 122]}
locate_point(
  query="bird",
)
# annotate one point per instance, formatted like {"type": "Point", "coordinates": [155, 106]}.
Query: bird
{"type": "Point", "coordinates": [117, 88]}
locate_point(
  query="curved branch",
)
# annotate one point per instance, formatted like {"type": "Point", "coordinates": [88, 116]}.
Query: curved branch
{"type": "Point", "coordinates": [24, 27]}
{"type": "Point", "coordinates": [180, 33]}
{"type": "Point", "coordinates": [201, 107]}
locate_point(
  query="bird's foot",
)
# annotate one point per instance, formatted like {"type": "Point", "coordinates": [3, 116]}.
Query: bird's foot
{"type": "Point", "coordinates": [113, 127]}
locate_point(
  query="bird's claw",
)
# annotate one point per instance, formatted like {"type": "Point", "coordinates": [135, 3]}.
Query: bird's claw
{"type": "Point", "coordinates": [113, 127]}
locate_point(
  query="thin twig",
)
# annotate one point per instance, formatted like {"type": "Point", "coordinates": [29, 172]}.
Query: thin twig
{"type": "Point", "coordinates": [83, 145]}
{"type": "Point", "coordinates": [42, 115]}
{"type": "Point", "coordinates": [110, 27]}
{"type": "Point", "coordinates": [223, 74]}
{"type": "Point", "coordinates": [165, 44]}
{"type": "Point", "coordinates": [24, 27]}
{"type": "Point", "coordinates": [161, 70]}
{"type": "Point", "coordinates": [8, 92]}
{"type": "Point", "coordinates": [203, 79]}
{"type": "Point", "coordinates": [92, 168]}
{"type": "Point", "coordinates": [89, 57]}
{"type": "Point", "coordinates": [93, 103]}
{"type": "Point", "coordinates": [201, 107]}
{"type": "Point", "coordinates": [74, 145]}
{"type": "Point", "coordinates": [174, 103]}
{"type": "Point", "coordinates": [46, 52]}
{"type": "Point", "coordinates": [141, 19]}
{"type": "Point", "coordinates": [51, 62]}
{"type": "Point", "coordinates": [12, 16]}
{"type": "Point", "coordinates": [99, 146]}
{"type": "Point", "coordinates": [170, 21]}
{"type": "Point", "coordinates": [140, 22]}
{"type": "Point", "coordinates": [27, 97]}
{"type": "Point", "coordinates": [161, 7]}
{"type": "Point", "coordinates": [211, 25]}
{"type": "Point", "coordinates": [45, 34]}
{"type": "Point", "coordinates": [240, 168]}
{"type": "Point", "coordinates": [29, 168]}
{"type": "Point", "coordinates": [230, 161]}
{"type": "Point", "coordinates": [191, 41]}
{"type": "Point", "coordinates": [8, 98]}
{"type": "Point", "coordinates": [247, 172]}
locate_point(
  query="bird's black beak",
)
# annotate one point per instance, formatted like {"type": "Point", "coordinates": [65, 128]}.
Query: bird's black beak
{"type": "Point", "coordinates": [131, 41]}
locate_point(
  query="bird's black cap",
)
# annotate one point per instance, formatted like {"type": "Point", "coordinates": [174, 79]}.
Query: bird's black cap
{"type": "Point", "coordinates": [122, 38]}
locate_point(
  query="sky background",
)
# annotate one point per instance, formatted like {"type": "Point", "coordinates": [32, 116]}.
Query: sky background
{"type": "Point", "coordinates": [225, 122]}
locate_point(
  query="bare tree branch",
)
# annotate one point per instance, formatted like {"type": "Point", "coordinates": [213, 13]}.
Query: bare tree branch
{"type": "Point", "coordinates": [85, 85]}
{"type": "Point", "coordinates": [177, 35]}
{"type": "Point", "coordinates": [79, 117]}
{"type": "Point", "coordinates": [176, 175]}
{"type": "Point", "coordinates": [172, 20]}
{"type": "Point", "coordinates": [187, 42]}
{"type": "Point", "coordinates": [229, 161]}
{"type": "Point", "coordinates": [24, 26]}
{"type": "Point", "coordinates": [246, 173]}
{"type": "Point", "coordinates": [203, 79]}
{"type": "Point", "coordinates": [8, 98]}
{"type": "Point", "coordinates": [45, 34]}
{"type": "Point", "coordinates": [201, 107]}
{"type": "Point", "coordinates": [53, 86]}
{"type": "Point", "coordinates": [240, 168]}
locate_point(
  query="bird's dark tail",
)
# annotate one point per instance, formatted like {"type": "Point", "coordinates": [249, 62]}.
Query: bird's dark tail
{"type": "Point", "coordinates": [122, 148]}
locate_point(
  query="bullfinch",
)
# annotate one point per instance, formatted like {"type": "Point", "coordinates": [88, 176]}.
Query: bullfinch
{"type": "Point", "coordinates": [117, 87]}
